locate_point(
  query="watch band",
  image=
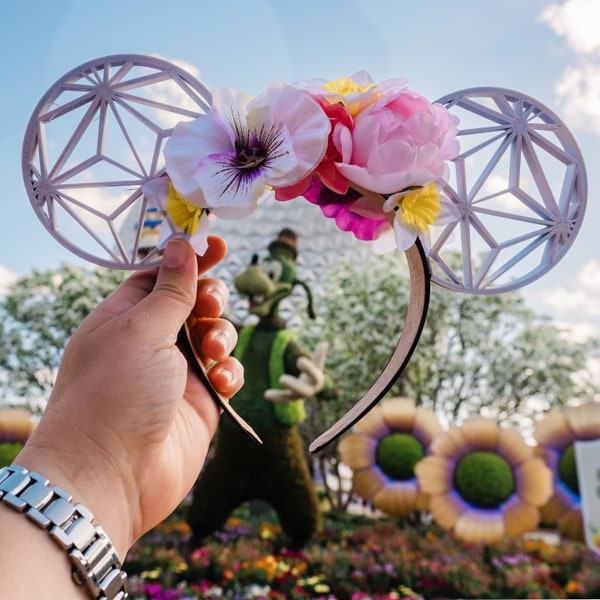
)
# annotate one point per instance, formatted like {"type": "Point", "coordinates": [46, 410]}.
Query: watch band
{"type": "Point", "coordinates": [71, 526]}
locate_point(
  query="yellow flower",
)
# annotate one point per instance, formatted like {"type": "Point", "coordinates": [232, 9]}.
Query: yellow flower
{"type": "Point", "coordinates": [420, 208]}
{"type": "Point", "coordinates": [184, 215]}
{"type": "Point", "coordinates": [556, 433]}
{"type": "Point", "coordinates": [355, 93]}
{"type": "Point", "coordinates": [386, 444]}
{"type": "Point", "coordinates": [153, 574]}
{"type": "Point", "coordinates": [484, 481]}
{"type": "Point", "coordinates": [346, 85]}
{"type": "Point", "coordinates": [268, 531]}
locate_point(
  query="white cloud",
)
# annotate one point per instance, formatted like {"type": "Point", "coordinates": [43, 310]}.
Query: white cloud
{"type": "Point", "coordinates": [7, 277]}
{"type": "Point", "coordinates": [578, 91]}
{"type": "Point", "coordinates": [171, 94]}
{"type": "Point", "coordinates": [578, 88]}
{"type": "Point", "coordinates": [577, 21]}
{"type": "Point", "coordinates": [575, 305]}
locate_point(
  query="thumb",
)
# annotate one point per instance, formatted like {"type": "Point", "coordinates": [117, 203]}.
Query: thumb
{"type": "Point", "coordinates": [174, 294]}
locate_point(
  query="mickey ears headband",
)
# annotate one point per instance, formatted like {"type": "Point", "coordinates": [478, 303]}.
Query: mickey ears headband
{"type": "Point", "coordinates": [120, 134]}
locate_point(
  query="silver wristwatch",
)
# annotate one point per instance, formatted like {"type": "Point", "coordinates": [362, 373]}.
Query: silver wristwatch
{"type": "Point", "coordinates": [71, 526]}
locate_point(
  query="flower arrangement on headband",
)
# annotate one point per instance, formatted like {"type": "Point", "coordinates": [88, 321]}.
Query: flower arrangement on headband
{"type": "Point", "coordinates": [372, 156]}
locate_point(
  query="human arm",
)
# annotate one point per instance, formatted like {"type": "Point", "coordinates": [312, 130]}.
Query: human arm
{"type": "Point", "coordinates": [128, 425]}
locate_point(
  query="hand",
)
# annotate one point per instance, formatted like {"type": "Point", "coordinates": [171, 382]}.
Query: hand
{"type": "Point", "coordinates": [308, 383]}
{"type": "Point", "coordinates": [128, 424]}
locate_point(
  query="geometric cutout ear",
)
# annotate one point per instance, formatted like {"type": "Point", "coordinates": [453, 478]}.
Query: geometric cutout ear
{"type": "Point", "coordinates": [93, 140]}
{"type": "Point", "coordinates": [520, 186]}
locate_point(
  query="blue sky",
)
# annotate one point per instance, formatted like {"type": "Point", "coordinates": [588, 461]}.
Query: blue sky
{"type": "Point", "coordinates": [547, 49]}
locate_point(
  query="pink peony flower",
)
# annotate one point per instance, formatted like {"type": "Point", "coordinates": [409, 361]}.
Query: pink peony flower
{"type": "Point", "coordinates": [399, 141]}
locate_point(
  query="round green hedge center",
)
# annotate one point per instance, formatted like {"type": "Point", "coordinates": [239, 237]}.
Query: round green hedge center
{"type": "Point", "coordinates": [567, 469]}
{"type": "Point", "coordinates": [484, 479]}
{"type": "Point", "coordinates": [397, 455]}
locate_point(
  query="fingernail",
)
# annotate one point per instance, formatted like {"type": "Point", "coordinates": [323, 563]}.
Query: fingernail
{"type": "Point", "coordinates": [224, 340]}
{"type": "Point", "coordinates": [216, 293]}
{"type": "Point", "coordinates": [175, 254]}
{"type": "Point", "coordinates": [227, 375]}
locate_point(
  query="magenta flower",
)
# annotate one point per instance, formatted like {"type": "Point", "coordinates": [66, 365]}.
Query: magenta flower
{"type": "Point", "coordinates": [346, 210]}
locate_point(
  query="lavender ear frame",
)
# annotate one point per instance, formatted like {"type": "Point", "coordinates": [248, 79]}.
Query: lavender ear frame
{"type": "Point", "coordinates": [97, 136]}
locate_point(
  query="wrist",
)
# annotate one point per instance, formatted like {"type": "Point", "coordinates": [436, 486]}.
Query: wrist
{"type": "Point", "coordinates": [90, 478]}
{"type": "Point", "coordinates": [95, 565]}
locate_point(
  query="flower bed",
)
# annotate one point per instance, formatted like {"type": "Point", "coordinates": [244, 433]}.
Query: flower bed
{"type": "Point", "coordinates": [354, 558]}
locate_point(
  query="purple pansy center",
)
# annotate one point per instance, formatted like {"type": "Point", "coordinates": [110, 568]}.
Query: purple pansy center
{"type": "Point", "coordinates": [250, 155]}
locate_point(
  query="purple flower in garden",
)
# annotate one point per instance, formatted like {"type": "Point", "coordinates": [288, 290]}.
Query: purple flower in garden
{"type": "Point", "coordinates": [154, 591]}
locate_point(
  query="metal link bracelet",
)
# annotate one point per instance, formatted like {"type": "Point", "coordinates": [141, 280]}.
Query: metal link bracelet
{"type": "Point", "coordinates": [71, 526]}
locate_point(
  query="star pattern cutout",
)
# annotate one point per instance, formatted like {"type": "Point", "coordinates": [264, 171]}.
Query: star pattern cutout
{"type": "Point", "coordinates": [520, 187]}
{"type": "Point", "coordinates": [94, 139]}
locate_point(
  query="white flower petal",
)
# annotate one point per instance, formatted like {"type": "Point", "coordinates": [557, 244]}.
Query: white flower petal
{"type": "Point", "coordinates": [199, 240]}
{"type": "Point", "coordinates": [405, 235]}
{"type": "Point", "coordinates": [166, 232]}
{"type": "Point", "coordinates": [385, 242]}
{"type": "Point", "coordinates": [157, 192]}
{"type": "Point", "coordinates": [449, 212]}
{"type": "Point", "coordinates": [229, 105]}
{"type": "Point", "coordinates": [225, 185]}
{"type": "Point", "coordinates": [307, 125]}
{"type": "Point", "coordinates": [188, 145]}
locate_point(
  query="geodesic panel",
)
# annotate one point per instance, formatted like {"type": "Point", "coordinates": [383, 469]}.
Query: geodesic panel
{"type": "Point", "coordinates": [94, 139]}
{"type": "Point", "coordinates": [520, 186]}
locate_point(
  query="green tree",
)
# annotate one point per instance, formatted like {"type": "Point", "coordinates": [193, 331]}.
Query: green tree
{"type": "Point", "coordinates": [37, 318]}
{"type": "Point", "coordinates": [488, 354]}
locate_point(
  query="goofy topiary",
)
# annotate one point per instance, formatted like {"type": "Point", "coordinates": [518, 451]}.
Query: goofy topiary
{"type": "Point", "coordinates": [279, 374]}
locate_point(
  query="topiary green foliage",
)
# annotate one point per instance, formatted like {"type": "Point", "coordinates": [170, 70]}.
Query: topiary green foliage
{"type": "Point", "coordinates": [275, 472]}
{"type": "Point", "coordinates": [567, 469]}
{"type": "Point", "coordinates": [8, 453]}
{"type": "Point", "coordinates": [484, 479]}
{"type": "Point", "coordinates": [397, 454]}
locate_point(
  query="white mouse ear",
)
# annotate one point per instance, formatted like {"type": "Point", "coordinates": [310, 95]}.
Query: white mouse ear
{"type": "Point", "coordinates": [520, 187]}
{"type": "Point", "coordinates": [93, 140]}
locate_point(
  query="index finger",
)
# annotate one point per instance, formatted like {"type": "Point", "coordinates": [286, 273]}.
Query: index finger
{"type": "Point", "coordinates": [215, 253]}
